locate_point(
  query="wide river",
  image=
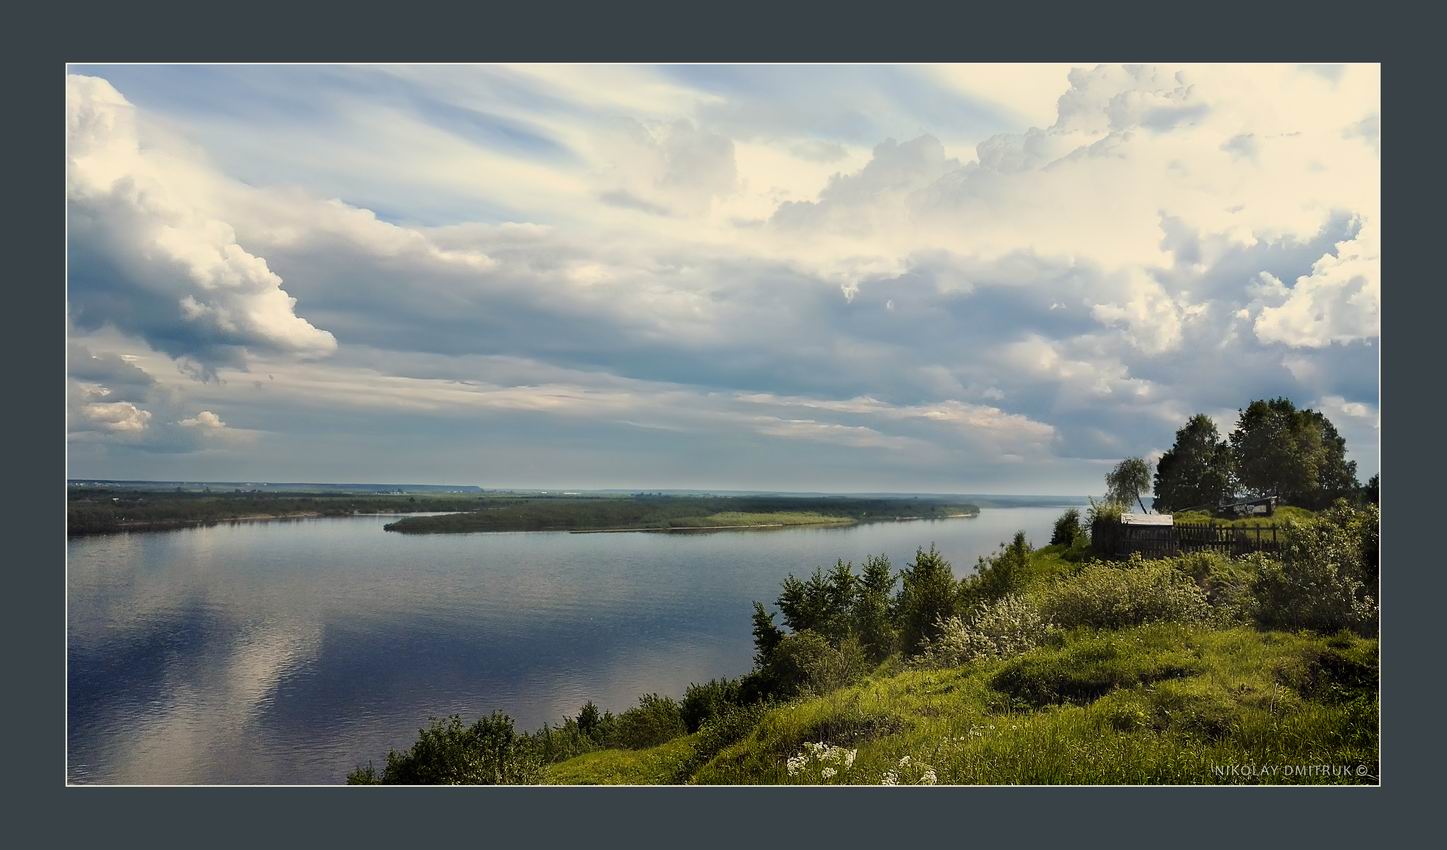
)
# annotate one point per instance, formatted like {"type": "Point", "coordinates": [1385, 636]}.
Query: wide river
{"type": "Point", "coordinates": [292, 651]}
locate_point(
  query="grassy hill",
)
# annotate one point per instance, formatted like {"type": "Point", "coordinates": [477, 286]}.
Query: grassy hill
{"type": "Point", "coordinates": [1043, 666]}
{"type": "Point", "coordinates": [1162, 703]}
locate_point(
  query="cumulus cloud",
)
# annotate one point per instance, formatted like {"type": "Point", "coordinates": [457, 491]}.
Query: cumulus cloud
{"type": "Point", "coordinates": [204, 420]}
{"type": "Point", "coordinates": [673, 258]}
{"type": "Point", "coordinates": [1338, 302]}
{"type": "Point", "coordinates": [146, 259]}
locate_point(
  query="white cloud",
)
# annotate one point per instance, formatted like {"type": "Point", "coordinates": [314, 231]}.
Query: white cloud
{"type": "Point", "coordinates": [205, 420]}
{"type": "Point", "coordinates": [1339, 301]}
{"type": "Point", "coordinates": [138, 236]}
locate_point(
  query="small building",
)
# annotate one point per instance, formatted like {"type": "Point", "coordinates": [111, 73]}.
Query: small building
{"type": "Point", "coordinates": [1147, 519]}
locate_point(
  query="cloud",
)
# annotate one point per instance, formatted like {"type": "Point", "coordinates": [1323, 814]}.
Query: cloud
{"type": "Point", "coordinates": [1338, 302]}
{"type": "Point", "coordinates": [205, 420]}
{"type": "Point", "coordinates": [514, 257]}
{"type": "Point", "coordinates": [146, 259]}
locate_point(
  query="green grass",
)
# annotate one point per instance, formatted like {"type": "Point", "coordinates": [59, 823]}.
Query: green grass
{"type": "Point", "coordinates": [1282, 514]}
{"type": "Point", "coordinates": [1164, 703]}
{"type": "Point", "coordinates": [660, 765]}
{"type": "Point", "coordinates": [736, 518]}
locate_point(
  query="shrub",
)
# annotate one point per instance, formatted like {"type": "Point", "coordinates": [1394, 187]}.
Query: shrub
{"type": "Point", "coordinates": [1002, 629]}
{"type": "Point", "coordinates": [1225, 582]}
{"type": "Point", "coordinates": [489, 752]}
{"type": "Point", "coordinates": [1106, 596]}
{"type": "Point", "coordinates": [805, 663]}
{"type": "Point", "coordinates": [655, 720]}
{"type": "Point", "coordinates": [1320, 581]}
{"type": "Point", "coordinates": [1067, 529]}
{"type": "Point", "coordinates": [701, 703]}
{"type": "Point", "coordinates": [1000, 575]}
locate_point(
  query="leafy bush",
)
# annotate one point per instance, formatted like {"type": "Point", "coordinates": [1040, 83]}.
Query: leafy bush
{"type": "Point", "coordinates": [1067, 529]}
{"type": "Point", "coordinates": [806, 663]}
{"type": "Point", "coordinates": [1225, 582]}
{"type": "Point", "coordinates": [1321, 581]}
{"type": "Point", "coordinates": [1106, 596]}
{"type": "Point", "coordinates": [489, 752]}
{"type": "Point", "coordinates": [1001, 629]}
{"type": "Point", "coordinates": [1004, 573]}
{"type": "Point", "coordinates": [702, 703]}
{"type": "Point", "coordinates": [655, 720]}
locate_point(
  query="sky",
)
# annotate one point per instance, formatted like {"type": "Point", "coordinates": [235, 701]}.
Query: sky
{"type": "Point", "coordinates": [911, 278]}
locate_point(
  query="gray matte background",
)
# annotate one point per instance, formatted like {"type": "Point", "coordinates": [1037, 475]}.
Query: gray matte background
{"type": "Point", "coordinates": [42, 39]}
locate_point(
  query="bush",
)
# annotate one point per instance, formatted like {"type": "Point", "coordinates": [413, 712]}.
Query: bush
{"type": "Point", "coordinates": [655, 720]}
{"type": "Point", "coordinates": [1321, 581]}
{"type": "Point", "coordinates": [489, 752]}
{"type": "Point", "coordinates": [1000, 575]}
{"type": "Point", "coordinates": [730, 725]}
{"type": "Point", "coordinates": [1225, 582]}
{"type": "Point", "coordinates": [1105, 596]}
{"type": "Point", "coordinates": [1002, 629]}
{"type": "Point", "coordinates": [805, 663]}
{"type": "Point", "coordinates": [1067, 529]}
{"type": "Point", "coordinates": [702, 703]}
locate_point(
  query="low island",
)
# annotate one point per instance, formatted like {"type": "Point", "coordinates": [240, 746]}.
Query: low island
{"type": "Point", "coordinates": [677, 513]}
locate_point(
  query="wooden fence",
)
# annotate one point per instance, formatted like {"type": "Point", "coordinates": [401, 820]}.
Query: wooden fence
{"type": "Point", "coordinates": [1116, 539]}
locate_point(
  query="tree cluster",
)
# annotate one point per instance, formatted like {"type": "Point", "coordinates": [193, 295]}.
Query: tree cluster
{"type": "Point", "coordinates": [1275, 449]}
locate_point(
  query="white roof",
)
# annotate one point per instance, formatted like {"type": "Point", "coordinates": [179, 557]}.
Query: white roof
{"type": "Point", "coordinates": [1147, 519]}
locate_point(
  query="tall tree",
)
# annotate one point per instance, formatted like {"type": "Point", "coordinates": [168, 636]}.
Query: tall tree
{"type": "Point", "coordinates": [1196, 471]}
{"type": "Point", "coordinates": [1130, 478]}
{"type": "Point", "coordinates": [1295, 454]}
{"type": "Point", "coordinates": [927, 596]}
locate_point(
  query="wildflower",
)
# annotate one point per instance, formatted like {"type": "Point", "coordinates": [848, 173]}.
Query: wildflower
{"type": "Point", "coordinates": [827, 772]}
{"type": "Point", "coordinates": [928, 778]}
{"type": "Point", "coordinates": [903, 762]}
{"type": "Point", "coordinates": [889, 778]}
{"type": "Point", "coordinates": [849, 759]}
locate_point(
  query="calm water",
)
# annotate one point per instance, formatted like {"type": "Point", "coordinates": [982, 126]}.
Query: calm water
{"type": "Point", "coordinates": [289, 652]}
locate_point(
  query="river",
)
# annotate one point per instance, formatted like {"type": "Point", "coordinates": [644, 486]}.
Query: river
{"type": "Point", "coordinates": [291, 651]}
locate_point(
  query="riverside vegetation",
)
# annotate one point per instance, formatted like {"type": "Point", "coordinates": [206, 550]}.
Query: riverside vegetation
{"type": "Point", "coordinates": [94, 510]}
{"type": "Point", "coordinates": [1044, 666]}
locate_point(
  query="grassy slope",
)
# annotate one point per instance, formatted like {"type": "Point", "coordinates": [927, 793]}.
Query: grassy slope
{"type": "Point", "coordinates": [1282, 514]}
{"type": "Point", "coordinates": [1162, 703]}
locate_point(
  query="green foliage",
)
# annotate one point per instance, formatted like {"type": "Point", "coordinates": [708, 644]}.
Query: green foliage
{"type": "Point", "coordinates": [1326, 576]}
{"type": "Point", "coordinates": [1001, 629]}
{"type": "Point", "coordinates": [702, 703]}
{"type": "Point", "coordinates": [928, 595]}
{"type": "Point", "coordinates": [1110, 596]}
{"type": "Point", "coordinates": [873, 625]}
{"type": "Point", "coordinates": [1067, 529]}
{"type": "Point", "coordinates": [1127, 481]}
{"type": "Point", "coordinates": [998, 576]}
{"type": "Point", "coordinates": [1196, 470]}
{"type": "Point", "coordinates": [807, 663]}
{"type": "Point", "coordinates": [766, 635]}
{"type": "Point", "coordinates": [1371, 491]}
{"type": "Point", "coordinates": [653, 721]}
{"type": "Point", "coordinates": [489, 752]}
{"type": "Point", "coordinates": [1296, 454]}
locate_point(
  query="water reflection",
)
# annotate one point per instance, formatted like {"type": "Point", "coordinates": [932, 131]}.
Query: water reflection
{"type": "Point", "coordinates": [290, 652]}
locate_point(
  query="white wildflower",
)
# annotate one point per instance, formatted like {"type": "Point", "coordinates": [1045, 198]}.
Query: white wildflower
{"type": "Point", "coordinates": [928, 778]}
{"type": "Point", "coordinates": [904, 762]}
{"type": "Point", "coordinates": [889, 778]}
{"type": "Point", "coordinates": [827, 772]}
